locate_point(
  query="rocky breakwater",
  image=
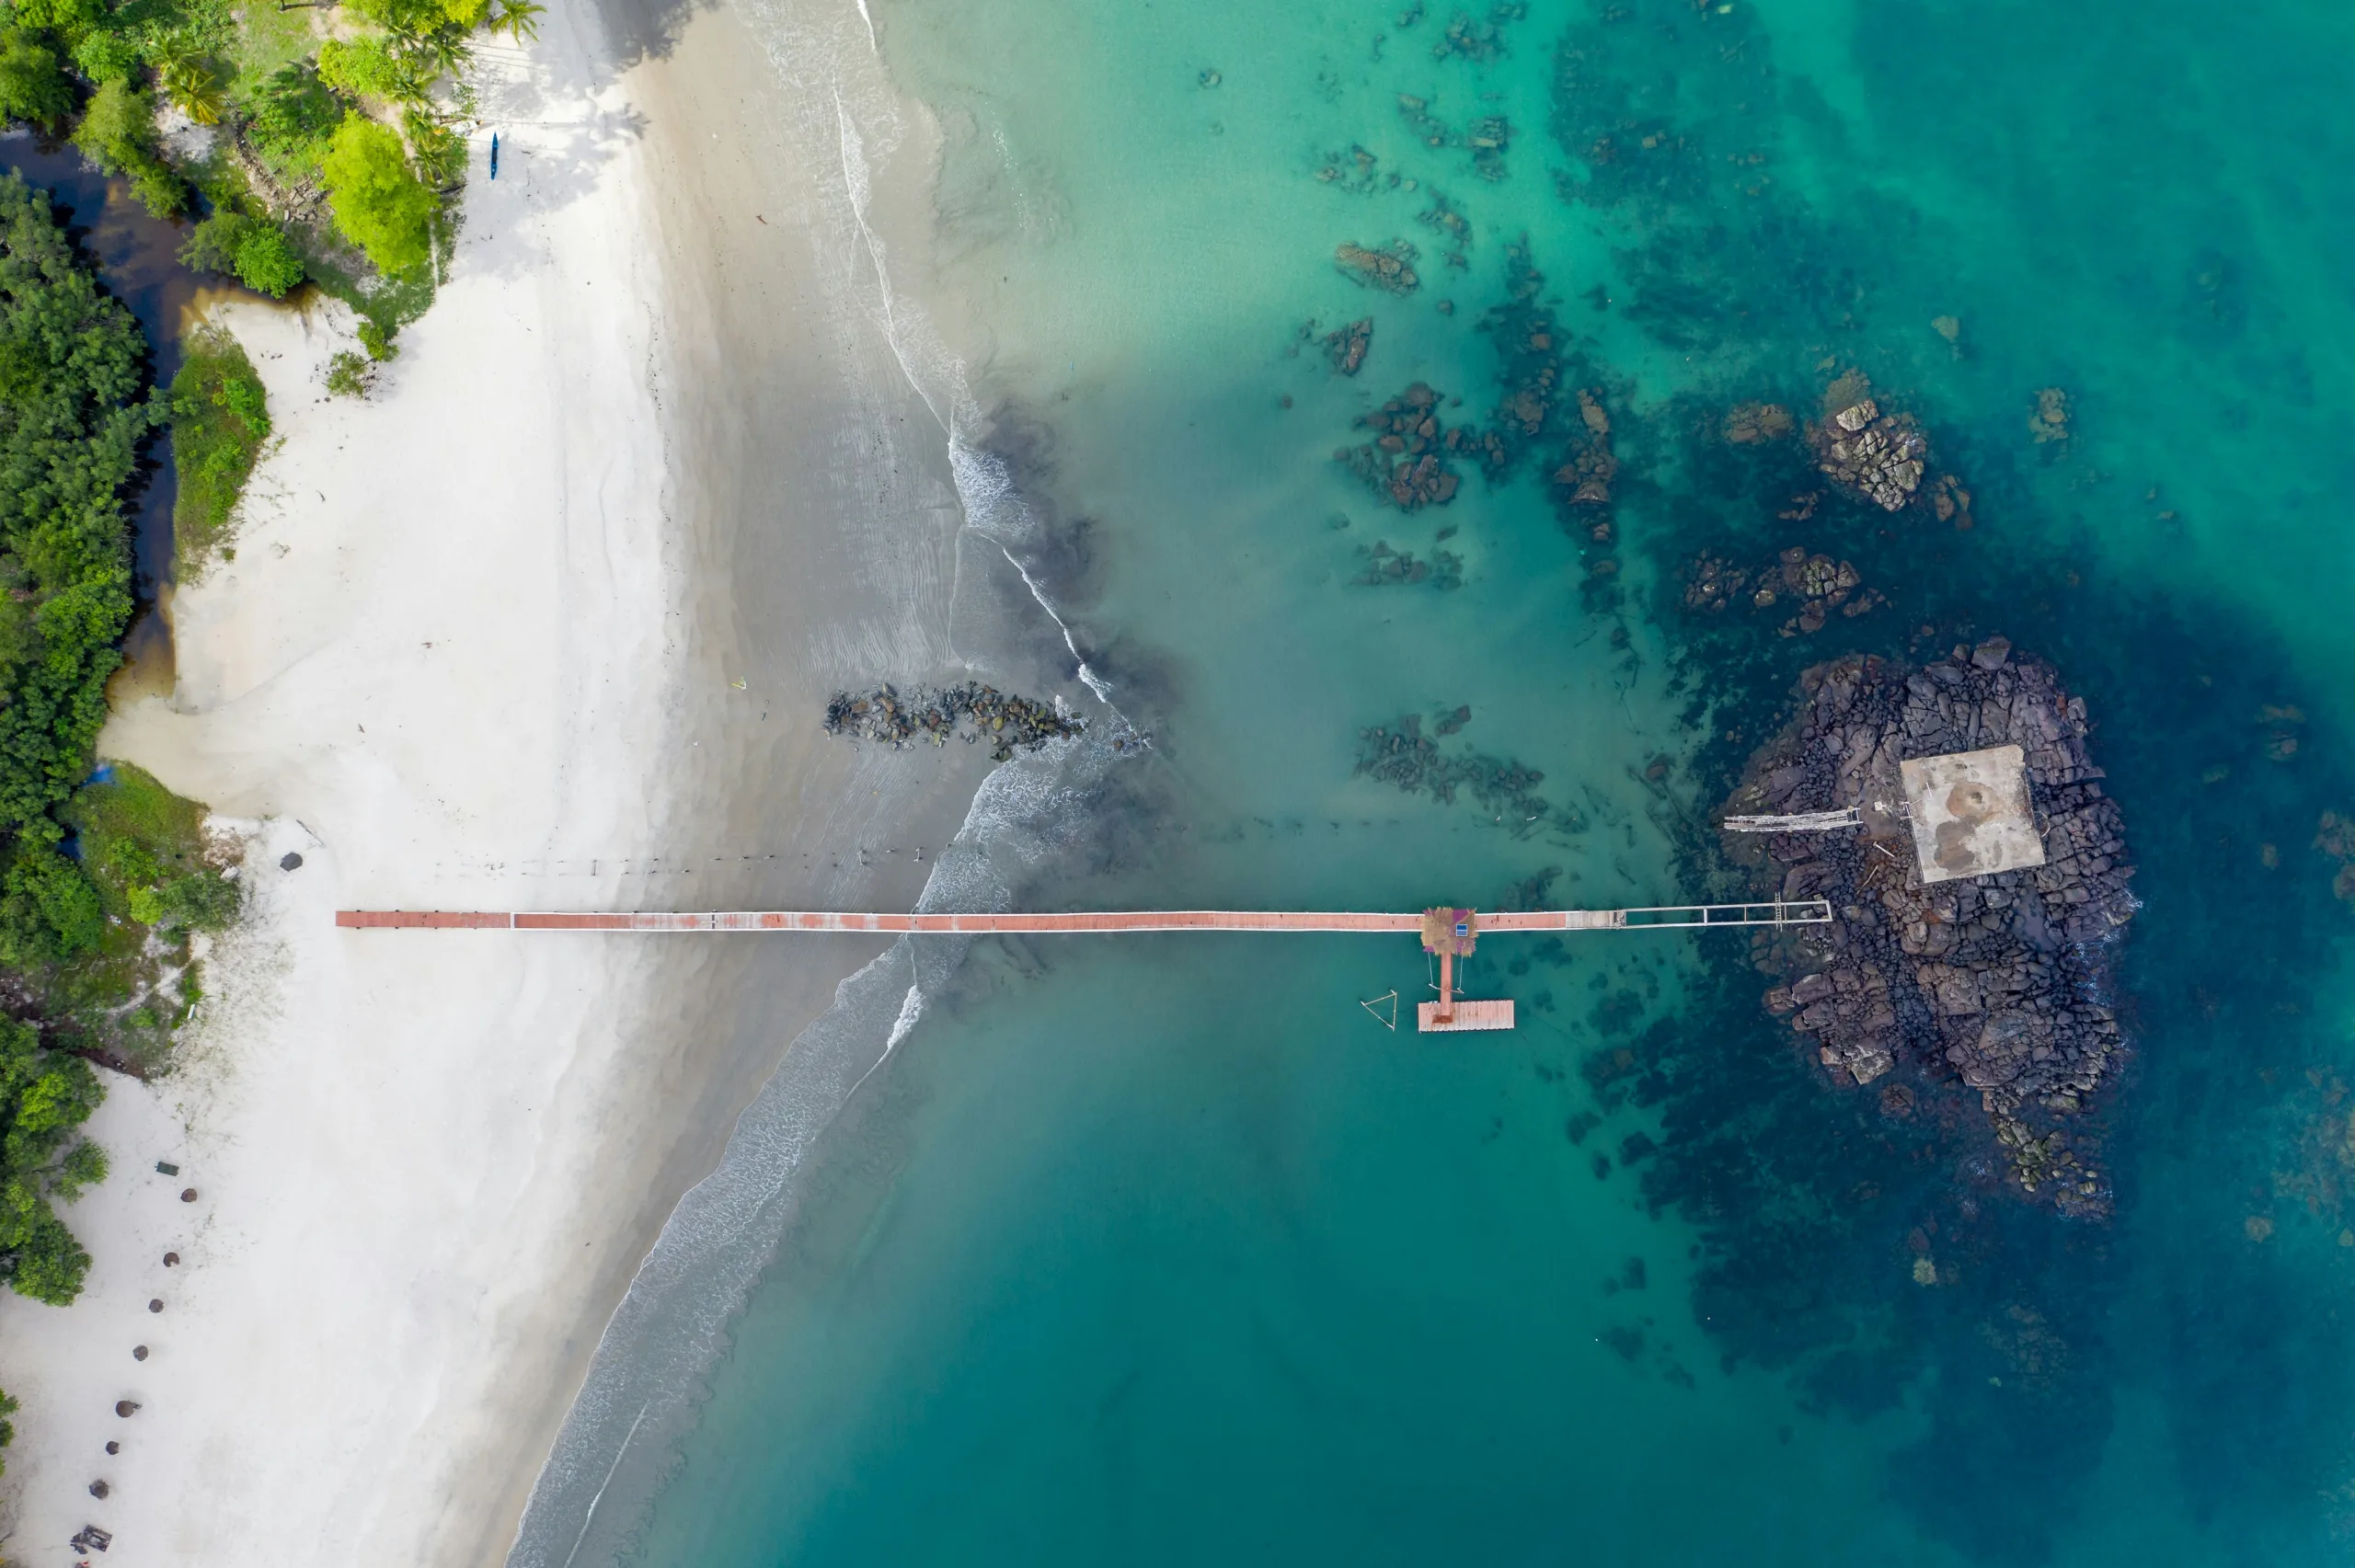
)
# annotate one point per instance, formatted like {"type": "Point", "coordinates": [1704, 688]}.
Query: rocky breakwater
{"type": "Point", "coordinates": [969, 712]}
{"type": "Point", "coordinates": [1998, 983]}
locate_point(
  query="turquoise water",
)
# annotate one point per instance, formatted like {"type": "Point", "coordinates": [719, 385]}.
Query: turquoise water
{"type": "Point", "coordinates": [1162, 1249]}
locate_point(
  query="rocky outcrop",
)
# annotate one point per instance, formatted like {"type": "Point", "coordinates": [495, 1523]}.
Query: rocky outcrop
{"type": "Point", "coordinates": [1876, 455]}
{"type": "Point", "coordinates": [970, 712]}
{"type": "Point", "coordinates": [2002, 982]}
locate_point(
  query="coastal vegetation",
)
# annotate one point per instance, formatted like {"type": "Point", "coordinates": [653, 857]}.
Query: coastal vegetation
{"type": "Point", "coordinates": [219, 421]}
{"type": "Point", "coordinates": [105, 875]}
{"type": "Point", "coordinates": [303, 159]}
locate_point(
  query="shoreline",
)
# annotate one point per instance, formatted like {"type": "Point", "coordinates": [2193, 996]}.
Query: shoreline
{"type": "Point", "coordinates": [531, 609]}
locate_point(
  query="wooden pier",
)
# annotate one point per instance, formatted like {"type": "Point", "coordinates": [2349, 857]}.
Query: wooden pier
{"type": "Point", "coordinates": [1810, 912]}
{"type": "Point", "coordinates": [1447, 932]}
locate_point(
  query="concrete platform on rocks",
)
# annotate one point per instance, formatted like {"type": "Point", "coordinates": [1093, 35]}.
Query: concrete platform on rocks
{"type": "Point", "coordinates": [1971, 813]}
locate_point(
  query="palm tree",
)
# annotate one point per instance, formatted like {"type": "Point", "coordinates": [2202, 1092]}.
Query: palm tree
{"type": "Point", "coordinates": [190, 83]}
{"type": "Point", "coordinates": [519, 20]}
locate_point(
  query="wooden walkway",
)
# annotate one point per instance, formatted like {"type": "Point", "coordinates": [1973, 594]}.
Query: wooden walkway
{"type": "Point", "coordinates": [1813, 912]}
{"type": "Point", "coordinates": [1462, 1014]}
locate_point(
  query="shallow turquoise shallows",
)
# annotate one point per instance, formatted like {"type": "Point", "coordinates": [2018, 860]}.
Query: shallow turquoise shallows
{"type": "Point", "coordinates": [1162, 1249]}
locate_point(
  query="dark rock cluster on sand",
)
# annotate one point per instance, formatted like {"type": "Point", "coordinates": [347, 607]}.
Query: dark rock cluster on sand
{"type": "Point", "coordinates": [970, 712]}
{"type": "Point", "coordinates": [1480, 42]}
{"type": "Point", "coordinates": [1357, 171]}
{"type": "Point", "coordinates": [1443, 216]}
{"type": "Point", "coordinates": [1815, 585]}
{"type": "Point", "coordinates": [1391, 269]}
{"type": "Point", "coordinates": [1998, 981]}
{"type": "Point", "coordinates": [1382, 567]}
{"type": "Point", "coordinates": [1878, 456]}
{"type": "Point", "coordinates": [1404, 461]}
{"type": "Point", "coordinates": [1486, 138]}
{"type": "Point", "coordinates": [1401, 755]}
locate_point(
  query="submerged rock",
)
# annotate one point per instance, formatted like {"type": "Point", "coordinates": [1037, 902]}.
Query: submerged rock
{"type": "Point", "coordinates": [1402, 756]}
{"type": "Point", "coordinates": [1486, 137]}
{"type": "Point", "coordinates": [1406, 461]}
{"type": "Point", "coordinates": [1382, 566]}
{"type": "Point", "coordinates": [2000, 982]}
{"type": "Point", "coordinates": [2049, 423]}
{"type": "Point", "coordinates": [1754, 424]}
{"type": "Point", "coordinates": [1391, 269]}
{"type": "Point", "coordinates": [1346, 346]}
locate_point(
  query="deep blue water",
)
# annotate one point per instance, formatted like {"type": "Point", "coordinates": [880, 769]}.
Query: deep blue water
{"type": "Point", "coordinates": [1160, 1250]}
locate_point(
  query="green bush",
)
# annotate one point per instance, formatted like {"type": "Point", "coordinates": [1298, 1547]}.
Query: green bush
{"type": "Point", "coordinates": [33, 86]}
{"type": "Point", "coordinates": [220, 419]}
{"type": "Point", "coordinates": [106, 57]}
{"type": "Point", "coordinates": [268, 262]}
{"type": "Point", "coordinates": [369, 67]}
{"type": "Point", "coordinates": [421, 18]}
{"type": "Point", "coordinates": [118, 133]}
{"type": "Point", "coordinates": [349, 375]}
{"type": "Point", "coordinates": [203, 900]}
{"type": "Point", "coordinates": [375, 339]}
{"type": "Point", "coordinates": [256, 251]}
{"type": "Point", "coordinates": [378, 204]}
{"type": "Point", "coordinates": [49, 911]}
{"type": "Point", "coordinates": [68, 19]}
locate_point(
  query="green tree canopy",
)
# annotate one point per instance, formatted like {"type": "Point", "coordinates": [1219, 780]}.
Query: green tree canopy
{"type": "Point", "coordinates": [254, 250]}
{"type": "Point", "coordinates": [45, 1097]}
{"type": "Point", "coordinates": [118, 132]}
{"type": "Point", "coordinates": [378, 204]}
{"type": "Point", "coordinates": [73, 412]}
{"type": "Point", "coordinates": [33, 86]}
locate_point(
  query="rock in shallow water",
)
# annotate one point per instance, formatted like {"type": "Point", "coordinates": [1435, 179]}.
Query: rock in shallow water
{"type": "Point", "coordinates": [970, 712]}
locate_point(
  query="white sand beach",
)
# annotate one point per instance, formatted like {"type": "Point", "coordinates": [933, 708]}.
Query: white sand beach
{"type": "Point", "coordinates": [517, 632]}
